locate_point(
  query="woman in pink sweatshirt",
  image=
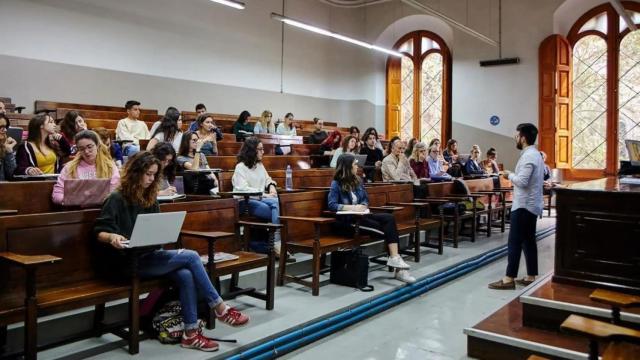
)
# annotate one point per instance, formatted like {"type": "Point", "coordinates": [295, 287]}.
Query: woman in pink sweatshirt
{"type": "Point", "coordinates": [92, 161]}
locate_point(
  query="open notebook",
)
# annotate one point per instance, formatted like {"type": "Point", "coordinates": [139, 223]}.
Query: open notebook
{"type": "Point", "coordinates": [219, 257]}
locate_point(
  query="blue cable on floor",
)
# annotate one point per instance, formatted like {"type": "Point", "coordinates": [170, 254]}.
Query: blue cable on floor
{"type": "Point", "coordinates": [297, 338]}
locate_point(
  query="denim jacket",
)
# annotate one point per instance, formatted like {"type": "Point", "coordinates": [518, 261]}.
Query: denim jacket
{"type": "Point", "coordinates": [339, 198]}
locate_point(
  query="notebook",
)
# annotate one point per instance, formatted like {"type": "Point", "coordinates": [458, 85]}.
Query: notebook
{"type": "Point", "coordinates": [86, 192]}
{"type": "Point", "coordinates": [156, 229]}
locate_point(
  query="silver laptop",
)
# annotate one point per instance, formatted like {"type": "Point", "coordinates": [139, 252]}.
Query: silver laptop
{"type": "Point", "coordinates": [633, 150]}
{"type": "Point", "coordinates": [156, 229]}
{"type": "Point", "coordinates": [362, 159]}
{"type": "Point", "coordinates": [86, 192]}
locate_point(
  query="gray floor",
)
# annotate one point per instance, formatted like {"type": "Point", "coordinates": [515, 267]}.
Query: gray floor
{"type": "Point", "coordinates": [426, 327]}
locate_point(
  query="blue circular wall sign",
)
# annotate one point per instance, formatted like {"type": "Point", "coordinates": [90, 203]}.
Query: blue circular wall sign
{"type": "Point", "coordinates": [494, 120]}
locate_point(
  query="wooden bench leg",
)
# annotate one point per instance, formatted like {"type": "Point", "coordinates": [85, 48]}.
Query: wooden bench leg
{"type": "Point", "coordinates": [134, 316]}
{"type": "Point", "coordinates": [3, 338]}
{"type": "Point", "coordinates": [271, 273]}
{"type": "Point", "coordinates": [416, 244]}
{"type": "Point", "coordinates": [98, 319]}
{"type": "Point", "coordinates": [315, 283]}
{"type": "Point", "coordinates": [441, 238]}
{"type": "Point", "coordinates": [456, 231]}
{"type": "Point", "coordinates": [31, 318]}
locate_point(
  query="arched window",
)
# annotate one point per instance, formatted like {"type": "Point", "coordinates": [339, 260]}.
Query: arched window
{"type": "Point", "coordinates": [604, 93]}
{"type": "Point", "coordinates": [419, 88]}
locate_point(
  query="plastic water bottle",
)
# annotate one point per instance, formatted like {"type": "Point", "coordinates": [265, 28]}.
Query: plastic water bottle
{"type": "Point", "coordinates": [289, 178]}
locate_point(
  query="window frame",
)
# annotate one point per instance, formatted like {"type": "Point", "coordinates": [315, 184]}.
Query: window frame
{"type": "Point", "coordinates": [392, 123]}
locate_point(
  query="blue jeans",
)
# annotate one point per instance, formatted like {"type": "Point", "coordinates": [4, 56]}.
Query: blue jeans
{"type": "Point", "coordinates": [265, 209]}
{"type": "Point", "coordinates": [131, 149]}
{"type": "Point", "coordinates": [185, 268]}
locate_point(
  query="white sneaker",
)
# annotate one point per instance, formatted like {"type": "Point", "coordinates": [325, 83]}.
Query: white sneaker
{"type": "Point", "coordinates": [276, 248]}
{"type": "Point", "coordinates": [405, 276]}
{"type": "Point", "coordinates": [397, 262]}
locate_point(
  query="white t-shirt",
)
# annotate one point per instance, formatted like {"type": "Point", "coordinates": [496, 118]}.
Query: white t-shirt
{"type": "Point", "coordinates": [177, 139]}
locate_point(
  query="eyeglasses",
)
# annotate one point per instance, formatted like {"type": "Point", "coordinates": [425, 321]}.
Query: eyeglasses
{"type": "Point", "coordinates": [260, 149]}
{"type": "Point", "coordinates": [89, 147]}
{"type": "Point", "coordinates": [3, 127]}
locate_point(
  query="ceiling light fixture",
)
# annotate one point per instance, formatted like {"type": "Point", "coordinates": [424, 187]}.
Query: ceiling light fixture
{"type": "Point", "coordinates": [232, 3]}
{"type": "Point", "coordinates": [324, 32]}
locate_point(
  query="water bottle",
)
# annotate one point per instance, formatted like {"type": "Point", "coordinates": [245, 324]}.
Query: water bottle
{"type": "Point", "coordinates": [289, 178]}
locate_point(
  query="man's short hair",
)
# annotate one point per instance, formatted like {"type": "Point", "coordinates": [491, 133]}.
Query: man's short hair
{"type": "Point", "coordinates": [130, 104]}
{"type": "Point", "coordinates": [529, 131]}
{"type": "Point", "coordinates": [201, 106]}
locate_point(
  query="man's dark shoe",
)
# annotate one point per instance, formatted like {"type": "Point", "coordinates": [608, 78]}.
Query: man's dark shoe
{"type": "Point", "coordinates": [524, 282]}
{"type": "Point", "coordinates": [501, 285]}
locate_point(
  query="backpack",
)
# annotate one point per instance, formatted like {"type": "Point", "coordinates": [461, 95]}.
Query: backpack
{"type": "Point", "coordinates": [168, 323]}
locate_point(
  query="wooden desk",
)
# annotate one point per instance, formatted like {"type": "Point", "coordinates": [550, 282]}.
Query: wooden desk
{"type": "Point", "coordinates": [598, 235]}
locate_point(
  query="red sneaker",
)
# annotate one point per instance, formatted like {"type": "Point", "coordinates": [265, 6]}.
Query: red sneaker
{"type": "Point", "coordinates": [233, 317]}
{"type": "Point", "coordinates": [199, 342]}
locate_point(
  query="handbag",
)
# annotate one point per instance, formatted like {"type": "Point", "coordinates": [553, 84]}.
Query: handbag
{"type": "Point", "coordinates": [449, 208]}
{"type": "Point", "coordinates": [350, 268]}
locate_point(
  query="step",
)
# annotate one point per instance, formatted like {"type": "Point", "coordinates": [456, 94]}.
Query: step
{"type": "Point", "coordinates": [548, 304]}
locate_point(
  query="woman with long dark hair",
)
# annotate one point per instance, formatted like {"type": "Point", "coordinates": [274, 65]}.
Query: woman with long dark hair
{"type": "Point", "coordinates": [42, 152]}
{"type": "Point", "coordinates": [168, 161]}
{"type": "Point", "coordinates": [190, 157]}
{"type": "Point", "coordinates": [168, 131]}
{"type": "Point", "coordinates": [250, 175]}
{"type": "Point", "coordinates": [349, 145]}
{"type": "Point", "coordinates": [208, 132]}
{"type": "Point", "coordinates": [7, 153]}
{"type": "Point", "coordinates": [347, 193]}
{"type": "Point", "coordinates": [137, 195]}
{"type": "Point", "coordinates": [242, 128]}
{"type": "Point", "coordinates": [72, 124]}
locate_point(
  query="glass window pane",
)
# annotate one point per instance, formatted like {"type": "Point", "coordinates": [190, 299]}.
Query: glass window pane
{"type": "Point", "coordinates": [635, 17]}
{"type": "Point", "coordinates": [406, 116]}
{"type": "Point", "coordinates": [431, 92]}
{"type": "Point", "coordinates": [598, 22]}
{"type": "Point", "coordinates": [428, 44]}
{"type": "Point", "coordinates": [407, 46]}
{"type": "Point", "coordinates": [629, 92]}
{"type": "Point", "coordinates": [589, 103]}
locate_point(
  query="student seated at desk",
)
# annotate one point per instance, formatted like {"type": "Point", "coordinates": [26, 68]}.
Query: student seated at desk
{"type": "Point", "coordinates": [331, 143]}
{"type": "Point", "coordinates": [168, 130]}
{"type": "Point", "coordinates": [349, 146]}
{"type": "Point", "coordinates": [318, 135]}
{"type": "Point", "coordinates": [38, 155]}
{"type": "Point", "coordinates": [72, 124]}
{"type": "Point", "coordinates": [114, 148]}
{"type": "Point", "coordinates": [250, 175]}
{"type": "Point", "coordinates": [287, 127]}
{"type": "Point", "coordinates": [490, 164]}
{"type": "Point", "coordinates": [418, 160]}
{"type": "Point", "coordinates": [208, 133]}
{"type": "Point", "coordinates": [167, 156]}
{"type": "Point", "coordinates": [472, 166]}
{"type": "Point", "coordinates": [436, 169]}
{"type": "Point", "coordinates": [131, 129]}
{"type": "Point", "coordinates": [395, 166]}
{"type": "Point", "coordinates": [92, 161]}
{"type": "Point", "coordinates": [242, 128]}
{"type": "Point", "coordinates": [137, 195]}
{"type": "Point", "coordinates": [347, 193]}
{"type": "Point", "coordinates": [7, 153]}
{"type": "Point", "coordinates": [374, 155]}
{"type": "Point", "coordinates": [191, 157]}
{"type": "Point", "coordinates": [265, 124]}
{"type": "Point", "coordinates": [200, 109]}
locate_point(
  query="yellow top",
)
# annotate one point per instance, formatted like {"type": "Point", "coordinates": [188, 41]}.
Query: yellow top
{"type": "Point", "coordinates": [46, 163]}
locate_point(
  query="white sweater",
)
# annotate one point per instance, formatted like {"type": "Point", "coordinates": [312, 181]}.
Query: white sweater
{"type": "Point", "coordinates": [254, 179]}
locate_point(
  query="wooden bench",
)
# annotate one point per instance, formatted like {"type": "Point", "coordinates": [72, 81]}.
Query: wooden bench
{"type": "Point", "coordinates": [27, 197]}
{"type": "Point", "coordinates": [42, 105]}
{"type": "Point", "coordinates": [53, 283]}
{"type": "Point", "coordinates": [106, 115]}
{"type": "Point", "coordinates": [302, 179]}
{"type": "Point", "coordinates": [400, 202]}
{"type": "Point", "coordinates": [229, 148]}
{"type": "Point", "coordinates": [228, 163]}
{"type": "Point", "coordinates": [307, 231]}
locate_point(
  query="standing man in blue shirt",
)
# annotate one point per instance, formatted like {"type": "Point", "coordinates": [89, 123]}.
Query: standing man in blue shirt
{"type": "Point", "coordinates": [527, 206]}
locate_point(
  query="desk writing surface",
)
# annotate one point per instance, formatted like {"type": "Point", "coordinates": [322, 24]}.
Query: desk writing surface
{"type": "Point", "coordinates": [609, 184]}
